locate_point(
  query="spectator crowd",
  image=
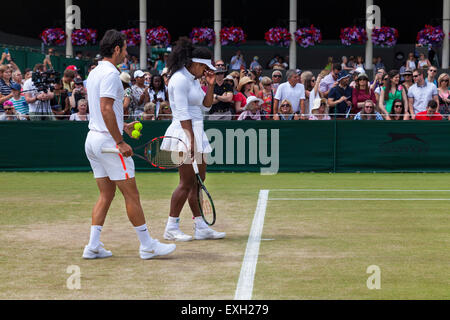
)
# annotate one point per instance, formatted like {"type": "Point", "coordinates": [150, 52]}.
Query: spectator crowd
{"type": "Point", "coordinates": [342, 90]}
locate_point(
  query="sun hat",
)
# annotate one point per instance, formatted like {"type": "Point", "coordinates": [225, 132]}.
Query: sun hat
{"type": "Point", "coordinates": [363, 76]}
{"type": "Point", "coordinates": [318, 102]}
{"type": "Point", "coordinates": [406, 73]}
{"type": "Point", "coordinates": [243, 82]}
{"type": "Point", "coordinates": [342, 75]}
{"type": "Point", "coordinates": [252, 99]}
{"type": "Point", "coordinates": [125, 77]}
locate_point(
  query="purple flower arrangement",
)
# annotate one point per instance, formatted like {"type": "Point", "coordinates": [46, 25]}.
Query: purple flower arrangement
{"type": "Point", "coordinates": [278, 37]}
{"type": "Point", "coordinates": [430, 36]}
{"type": "Point", "coordinates": [385, 36]}
{"type": "Point", "coordinates": [232, 35]}
{"type": "Point", "coordinates": [158, 36]}
{"type": "Point", "coordinates": [83, 37]}
{"type": "Point", "coordinates": [353, 35]}
{"type": "Point", "coordinates": [203, 36]}
{"type": "Point", "coordinates": [308, 36]}
{"type": "Point", "coordinates": [53, 37]}
{"type": "Point", "coordinates": [133, 37]}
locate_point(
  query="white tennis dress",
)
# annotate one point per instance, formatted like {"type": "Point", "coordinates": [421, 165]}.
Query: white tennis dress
{"type": "Point", "coordinates": [186, 101]}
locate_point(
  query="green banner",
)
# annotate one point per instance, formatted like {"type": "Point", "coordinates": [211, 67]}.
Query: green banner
{"type": "Point", "coordinates": [255, 146]}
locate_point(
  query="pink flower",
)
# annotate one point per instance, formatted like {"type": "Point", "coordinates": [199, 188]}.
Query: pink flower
{"type": "Point", "coordinates": [278, 37]}
{"type": "Point", "coordinates": [53, 37]}
{"type": "Point", "coordinates": [204, 36]}
{"type": "Point", "coordinates": [308, 36]}
{"type": "Point", "coordinates": [158, 36]}
{"type": "Point", "coordinates": [232, 35]}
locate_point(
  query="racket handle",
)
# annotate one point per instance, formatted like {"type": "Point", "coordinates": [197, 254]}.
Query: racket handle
{"type": "Point", "coordinates": [195, 166]}
{"type": "Point", "coordinates": [110, 150]}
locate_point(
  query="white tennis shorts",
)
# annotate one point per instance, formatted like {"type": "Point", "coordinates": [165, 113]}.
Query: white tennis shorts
{"type": "Point", "coordinates": [114, 166]}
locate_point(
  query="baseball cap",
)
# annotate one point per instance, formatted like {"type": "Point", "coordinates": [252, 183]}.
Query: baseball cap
{"type": "Point", "coordinates": [72, 67]}
{"type": "Point", "coordinates": [139, 74]}
{"type": "Point", "coordinates": [16, 86]}
{"type": "Point", "coordinates": [342, 75]}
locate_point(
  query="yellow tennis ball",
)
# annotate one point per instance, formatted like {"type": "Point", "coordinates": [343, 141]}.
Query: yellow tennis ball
{"type": "Point", "coordinates": [136, 134]}
{"type": "Point", "coordinates": [138, 126]}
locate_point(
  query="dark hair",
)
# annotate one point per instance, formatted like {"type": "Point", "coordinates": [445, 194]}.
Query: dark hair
{"type": "Point", "coordinates": [38, 67]}
{"type": "Point", "coordinates": [110, 41]}
{"type": "Point", "coordinates": [162, 86]}
{"type": "Point", "coordinates": [182, 54]}
{"type": "Point", "coordinates": [387, 90]}
{"type": "Point", "coordinates": [393, 107]}
{"type": "Point", "coordinates": [337, 66]}
{"type": "Point", "coordinates": [432, 104]}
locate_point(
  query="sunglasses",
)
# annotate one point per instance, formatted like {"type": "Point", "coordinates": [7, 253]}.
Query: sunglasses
{"type": "Point", "coordinates": [433, 71]}
{"type": "Point", "coordinates": [220, 65]}
{"type": "Point", "coordinates": [277, 76]}
{"type": "Point", "coordinates": [369, 107]}
{"type": "Point", "coordinates": [285, 105]}
{"type": "Point", "coordinates": [6, 109]}
{"type": "Point", "coordinates": [313, 80]}
{"type": "Point", "coordinates": [444, 80]}
{"type": "Point", "coordinates": [398, 106]}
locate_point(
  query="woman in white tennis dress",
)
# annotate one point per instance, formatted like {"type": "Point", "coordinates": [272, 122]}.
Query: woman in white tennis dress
{"type": "Point", "coordinates": [186, 65]}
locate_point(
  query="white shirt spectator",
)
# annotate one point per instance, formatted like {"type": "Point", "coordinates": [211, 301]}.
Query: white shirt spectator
{"type": "Point", "coordinates": [293, 94]}
{"type": "Point", "coordinates": [236, 63]}
{"type": "Point", "coordinates": [422, 95]}
{"type": "Point", "coordinates": [76, 117]}
{"type": "Point", "coordinates": [327, 83]}
{"type": "Point", "coordinates": [37, 106]}
{"type": "Point", "coordinates": [104, 82]}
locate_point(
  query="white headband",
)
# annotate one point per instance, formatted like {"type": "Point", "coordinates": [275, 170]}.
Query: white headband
{"type": "Point", "coordinates": [204, 61]}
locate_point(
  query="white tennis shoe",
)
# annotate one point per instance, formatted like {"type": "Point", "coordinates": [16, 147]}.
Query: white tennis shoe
{"type": "Point", "coordinates": [176, 235]}
{"type": "Point", "coordinates": [96, 253]}
{"type": "Point", "coordinates": [208, 234]}
{"type": "Point", "coordinates": [157, 249]}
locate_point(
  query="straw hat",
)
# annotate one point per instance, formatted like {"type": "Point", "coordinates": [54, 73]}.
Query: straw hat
{"type": "Point", "coordinates": [243, 82]}
{"type": "Point", "coordinates": [125, 77]}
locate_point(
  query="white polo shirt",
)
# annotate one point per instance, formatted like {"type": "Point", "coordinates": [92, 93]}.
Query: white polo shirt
{"type": "Point", "coordinates": [293, 94]}
{"type": "Point", "coordinates": [104, 82]}
{"type": "Point", "coordinates": [422, 95]}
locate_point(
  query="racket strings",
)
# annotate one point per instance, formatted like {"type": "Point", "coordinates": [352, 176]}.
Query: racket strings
{"type": "Point", "coordinates": [164, 158]}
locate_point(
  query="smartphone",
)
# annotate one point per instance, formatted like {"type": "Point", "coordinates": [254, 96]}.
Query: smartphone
{"type": "Point", "coordinates": [6, 50]}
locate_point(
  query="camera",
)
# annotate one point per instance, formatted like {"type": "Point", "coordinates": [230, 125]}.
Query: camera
{"type": "Point", "coordinates": [45, 81]}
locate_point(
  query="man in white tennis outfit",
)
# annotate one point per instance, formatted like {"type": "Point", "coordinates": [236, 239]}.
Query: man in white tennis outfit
{"type": "Point", "coordinates": [105, 94]}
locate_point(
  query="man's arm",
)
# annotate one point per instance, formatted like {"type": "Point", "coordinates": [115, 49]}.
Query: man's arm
{"type": "Point", "coordinates": [411, 108]}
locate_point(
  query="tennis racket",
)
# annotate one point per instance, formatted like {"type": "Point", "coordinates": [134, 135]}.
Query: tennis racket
{"type": "Point", "coordinates": [205, 201]}
{"type": "Point", "coordinates": [155, 152]}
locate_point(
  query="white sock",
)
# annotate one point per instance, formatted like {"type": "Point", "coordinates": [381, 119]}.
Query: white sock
{"type": "Point", "coordinates": [200, 223]}
{"type": "Point", "coordinates": [173, 223]}
{"type": "Point", "coordinates": [94, 239]}
{"type": "Point", "coordinates": [144, 235]}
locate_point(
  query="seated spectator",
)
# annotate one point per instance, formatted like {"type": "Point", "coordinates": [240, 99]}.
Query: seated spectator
{"type": "Point", "coordinates": [10, 113]}
{"type": "Point", "coordinates": [277, 76]}
{"type": "Point", "coordinates": [19, 102]}
{"type": "Point", "coordinates": [252, 109]}
{"type": "Point", "coordinates": [430, 113]}
{"type": "Point", "coordinates": [362, 93]}
{"type": "Point", "coordinates": [68, 80]}
{"type": "Point", "coordinates": [82, 114]}
{"type": "Point", "coordinates": [444, 96]}
{"type": "Point", "coordinates": [368, 113]}
{"type": "Point", "coordinates": [286, 112]}
{"type": "Point", "coordinates": [27, 75]}
{"type": "Point", "coordinates": [254, 63]}
{"type": "Point", "coordinates": [165, 112]}
{"type": "Point", "coordinates": [309, 81]}
{"type": "Point", "coordinates": [398, 111]}
{"type": "Point", "coordinates": [360, 64]}
{"type": "Point", "coordinates": [149, 112]}
{"type": "Point", "coordinates": [253, 75]}
{"type": "Point", "coordinates": [293, 91]}
{"type": "Point", "coordinates": [134, 64]}
{"type": "Point", "coordinates": [165, 76]}
{"type": "Point", "coordinates": [408, 82]}
{"type": "Point", "coordinates": [236, 78]}
{"type": "Point", "coordinates": [17, 77]}
{"type": "Point", "coordinates": [420, 93]}
{"type": "Point", "coordinates": [222, 106]}
{"type": "Point", "coordinates": [79, 92]}
{"type": "Point", "coordinates": [344, 65]}
{"type": "Point", "coordinates": [423, 62]}
{"type": "Point", "coordinates": [138, 95]}
{"type": "Point", "coordinates": [266, 95]}
{"type": "Point", "coordinates": [378, 79]}
{"type": "Point", "coordinates": [126, 80]}
{"type": "Point", "coordinates": [156, 92]}
{"type": "Point", "coordinates": [431, 75]}
{"type": "Point", "coordinates": [244, 92]}
{"type": "Point", "coordinates": [379, 64]}
{"type": "Point", "coordinates": [340, 96]}
{"type": "Point", "coordinates": [329, 64]}
{"type": "Point", "coordinates": [60, 103]}
{"type": "Point", "coordinates": [391, 91]}
{"type": "Point", "coordinates": [411, 62]}
{"type": "Point", "coordinates": [5, 83]}
{"type": "Point", "coordinates": [319, 110]}
{"type": "Point", "coordinates": [330, 80]}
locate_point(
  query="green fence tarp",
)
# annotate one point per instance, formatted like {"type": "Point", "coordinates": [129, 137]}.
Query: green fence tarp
{"type": "Point", "coordinates": [275, 146]}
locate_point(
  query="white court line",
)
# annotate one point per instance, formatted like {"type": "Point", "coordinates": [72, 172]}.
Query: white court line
{"type": "Point", "coordinates": [353, 199]}
{"type": "Point", "coordinates": [244, 288]}
{"type": "Point", "coordinates": [358, 190]}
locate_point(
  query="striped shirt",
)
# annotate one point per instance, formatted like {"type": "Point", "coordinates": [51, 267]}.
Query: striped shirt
{"type": "Point", "coordinates": [5, 89]}
{"type": "Point", "coordinates": [20, 105]}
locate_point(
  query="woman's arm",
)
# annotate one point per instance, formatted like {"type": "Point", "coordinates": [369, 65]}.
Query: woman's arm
{"type": "Point", "coordinates": [381, 105]}
{"type": "Point", "coordinates": [210, 78]}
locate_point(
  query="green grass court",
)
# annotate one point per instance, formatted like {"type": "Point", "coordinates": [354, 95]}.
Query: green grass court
{"type": "Point", "coordinates": [320, 233]}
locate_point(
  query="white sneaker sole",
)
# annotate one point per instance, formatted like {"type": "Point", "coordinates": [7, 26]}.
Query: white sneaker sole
{"type": "Point", "coordinates": [92, 255]}
{"type": "Point", "coordinates": [196, 237]}
{"type": "Point", "coordinates": [146, 255]}
{"type": "Point", "coordinates": [177, 239]}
